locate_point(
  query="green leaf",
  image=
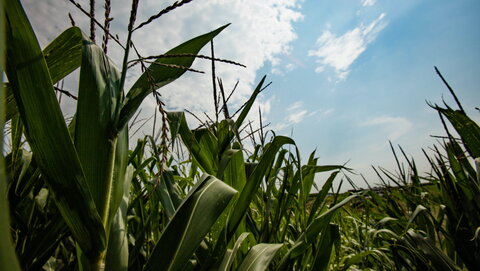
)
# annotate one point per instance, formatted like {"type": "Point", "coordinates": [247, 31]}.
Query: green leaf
{"type": "Point", "coordinates": [468, 130]}
{"type": "Point", "coordinates": [7, 251]}
{"type": "Point", "coordinates": [436, 256]}
{"type": "Point", "coordinates": [320, 199]}
{"type": "Point", "coordinates": [117, 252]}
{"type": "Point", "coordinates": [230, 254]}
{"type": "Point", "coordinates": [11, 106]}
{"type": "Point", "coordinates": [259, 257]}
{"type": "Point", "coordinates": [324, 249]}
{"type": "Point", "coordinates": [317, 227]}
{"type": "Point", "coordinates": [167, 193]}
{"type": "Point", "coordinates": [179, 125]}
{"type": "Point", "coordinates": [64, 54]}
{"type": "Point", "coordinates": [47, 133]}
{"type": "Point", "coordinates": [159, 75]}
{"type": "Point", "coordinates": [249, 103]}
{"type": "Point", "coordinates": [253, 182]}
{"type": "Point", "coordinates": [191, 222]}
{"type": "Point", "coordinates": [98, 96]}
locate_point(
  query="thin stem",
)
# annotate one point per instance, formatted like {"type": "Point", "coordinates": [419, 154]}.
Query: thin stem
{"type": "Point", "coordinates": [189, 55]}
{"type": "Point", "coordinates": [92, 20]}
{"type": "Point", "coordinates": [163, 12]}
{"type": "Point", "coordinates": [106, 25]}
{"type": "Point", "coordinates": [96, 22]}
{"type": "Point", "coordinates": [133, 16]}
{"type": "Point", "coordinates": [214, 82]}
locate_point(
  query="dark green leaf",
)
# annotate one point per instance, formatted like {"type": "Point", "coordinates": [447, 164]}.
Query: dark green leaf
{"type": "Point", "coordinates": [259, 257]}
{"type": "Point", "coordinates": [191, 222]}
{"type": "Point", "coordinates": [47, 133]}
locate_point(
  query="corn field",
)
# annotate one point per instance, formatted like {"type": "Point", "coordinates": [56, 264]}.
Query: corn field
{"type": "Point", "coordinates": [75, 197]}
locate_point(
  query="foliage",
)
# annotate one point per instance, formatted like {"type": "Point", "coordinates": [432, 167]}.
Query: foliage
{"type": "Point", "coordinates": [83, 201]}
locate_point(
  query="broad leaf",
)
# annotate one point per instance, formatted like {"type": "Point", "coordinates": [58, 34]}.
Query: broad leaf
{"type": "Point", "coordinates": [64, 54]}
{"type": "Point", "coordinates": [47, 133]}
{"type": "Point", "coordinates": [98, 96]}
{"type": "Point", "coordinates": [259, 257]}
{"type": "Point", "coordinates": [191, 222]}
{"type": "Point", "coordinates": [231, 253]}
{"type": "Point", "coordinates": [117, 252]}
{"type": "Point", "coordinates": [7, 252]}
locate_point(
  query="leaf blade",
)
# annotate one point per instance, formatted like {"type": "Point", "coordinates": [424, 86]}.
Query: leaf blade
{"type": "Point", "coordinates": [47, 133]}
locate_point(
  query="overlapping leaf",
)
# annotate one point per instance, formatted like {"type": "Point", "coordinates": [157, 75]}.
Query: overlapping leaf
{"type": "Point", "coordinates": [47, 133]}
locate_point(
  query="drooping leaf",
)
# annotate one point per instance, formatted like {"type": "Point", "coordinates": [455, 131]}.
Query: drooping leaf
{"type": "Point", "coordinates": [436, 256]}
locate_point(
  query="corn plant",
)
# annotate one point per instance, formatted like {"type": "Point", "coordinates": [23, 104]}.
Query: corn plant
{"type": "Point", "coordinates": [85, 173]}
{"type": "Point", "coordinates": [430, 222]}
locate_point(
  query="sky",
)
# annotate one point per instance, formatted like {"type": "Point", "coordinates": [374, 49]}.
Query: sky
{"type": "Point", "coordinates": [348, 76]}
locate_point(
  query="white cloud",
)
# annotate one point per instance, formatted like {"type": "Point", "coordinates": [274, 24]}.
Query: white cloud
{"type": "Point", "coordinates": [340, 52]}
{"type": "Point", "coordinates": [296, 113]}
{"type": "Point", "coordinates": [394, 127]}
{"type": "Point", "coordinates": [367, 3]}
{"type": "Point", "coordinates": [260, 32]}
{"type": "Point", "coordinates": [297, 117]}
{"type": "Point", "coordinates": [295, 105]}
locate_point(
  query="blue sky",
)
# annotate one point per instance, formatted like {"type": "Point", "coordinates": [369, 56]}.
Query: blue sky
{"type": "Point", "coordinates": [348, 75]}
{"type": "Point", "coordinates": [384, 95]}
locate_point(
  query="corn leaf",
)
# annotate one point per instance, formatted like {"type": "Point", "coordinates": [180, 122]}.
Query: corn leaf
{"type": "Point", "coordinates": [159, 75]}
{"type": "Point", "coordinates": [117, 252]}
{"type": "Point", "coordinates": [179, 126]}
{"type": "Point", "coordinates": [468, 130]}
{"type": "Point", "coordinates": [324, 249]}
{"type": "Point", "coordinates": [98, 96]}
{"type": "Point", "coordinates": [7, 252]}
{"type": "Point", "coordinates": [231, 253]}
{"type": "Point", "coordinates": [64, 54]}
{"type": "Point", "coordinates": [191, 222]}
{"type": "Point", "coordinates": [438, 259]}
{"type": "Point", "coordinates": [247, 194]}
{"type": "Point", "coordinates": [318, 226]}
{"type": "Point", "coordinates": [253, 182]}
{"type": "Point", "coordinates": [320, 199]}
{"type": "Point", "coordinates": [47, 133]}
{"type": "Point", "coordinates": [168, 194]}
{"type": "Point", "coordinates": [259, 257]}
{"type": "Point", "coordinates": [249, 103]}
